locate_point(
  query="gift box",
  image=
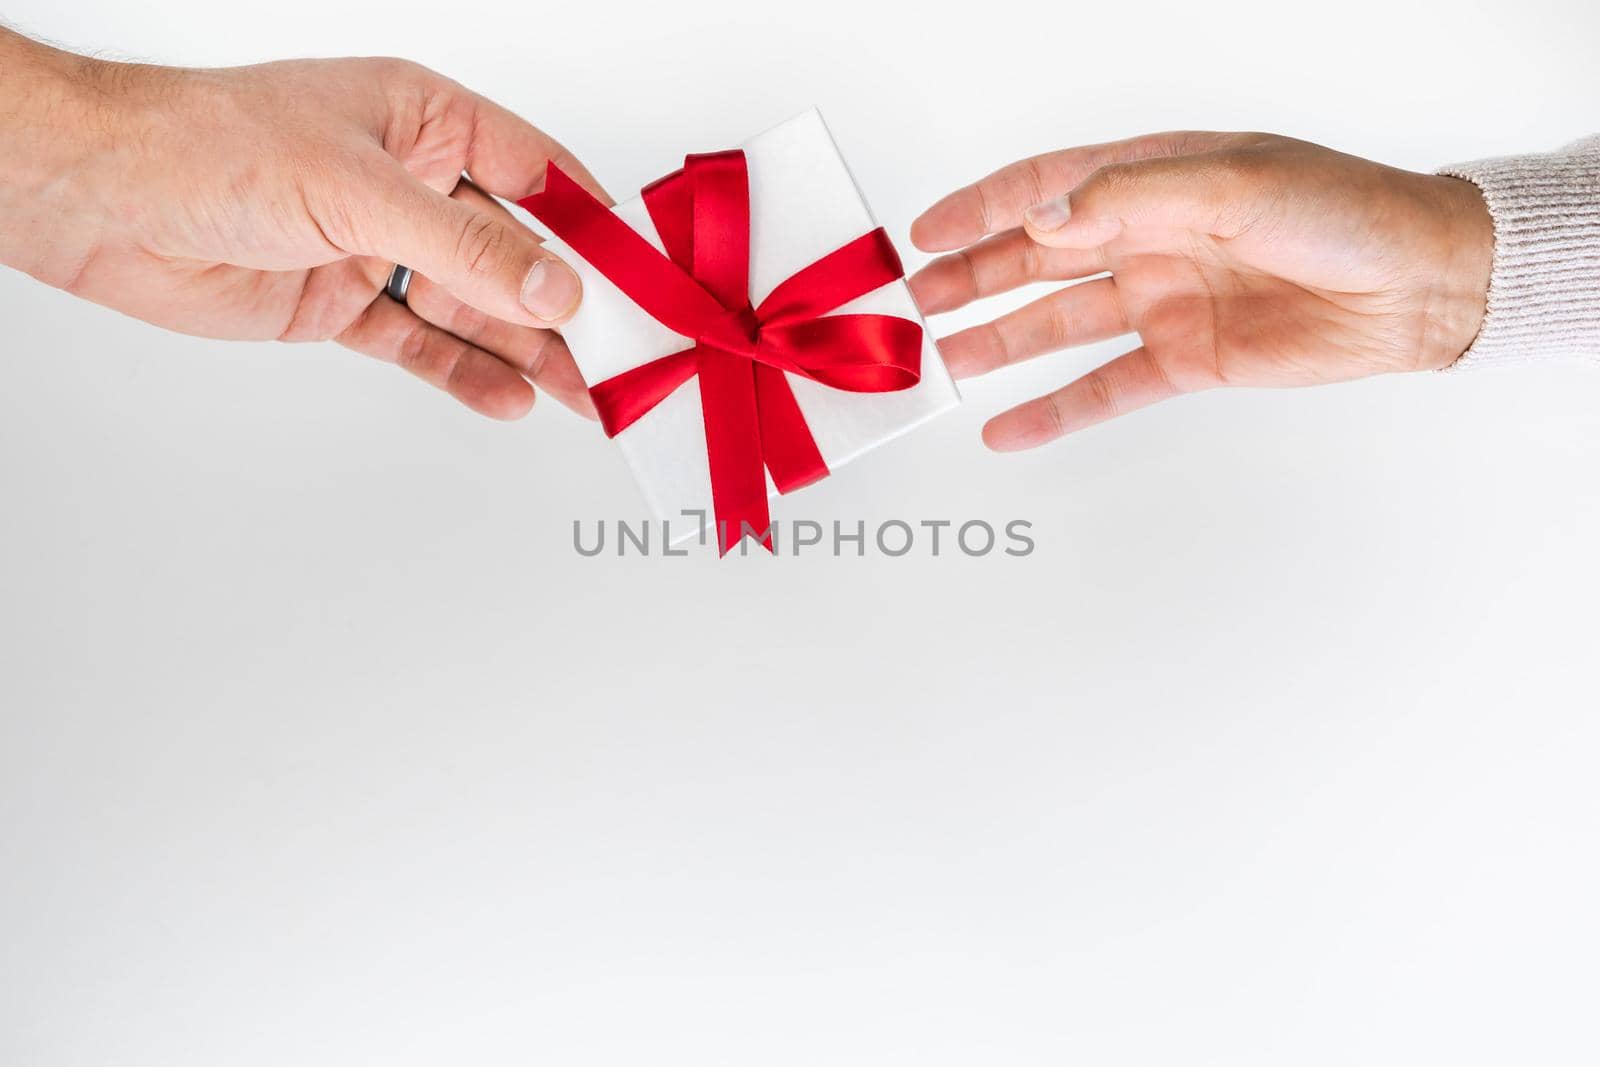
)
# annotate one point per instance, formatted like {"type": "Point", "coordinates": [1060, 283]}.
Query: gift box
{"type": "Point", "coordinates": [746, 327]}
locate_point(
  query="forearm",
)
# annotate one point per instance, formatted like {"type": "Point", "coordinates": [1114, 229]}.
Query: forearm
{"type": "Point", "coordinates": [1544, 294]}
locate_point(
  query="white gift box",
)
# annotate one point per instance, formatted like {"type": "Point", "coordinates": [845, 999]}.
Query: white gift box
{"type": "Point", "coordinates": [803, 205]}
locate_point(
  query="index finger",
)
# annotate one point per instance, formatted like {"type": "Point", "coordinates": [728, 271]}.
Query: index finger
{"type": "Point", "coordinates": [507, 155]}
{"type": "Point", "coordinates": [996, 203]}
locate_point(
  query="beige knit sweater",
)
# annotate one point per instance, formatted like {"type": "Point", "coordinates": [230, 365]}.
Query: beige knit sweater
{"type": "Point", "coordinates": [1544, 293]}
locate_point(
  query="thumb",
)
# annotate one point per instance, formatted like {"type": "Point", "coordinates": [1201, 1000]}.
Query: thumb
{"type": "Point", "coordinates": [1199, 193]}
{"type": "Point", "coordinates": [482, 258]}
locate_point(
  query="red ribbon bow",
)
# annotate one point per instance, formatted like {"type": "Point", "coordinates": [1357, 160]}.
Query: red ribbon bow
{"type": "Point", "coordinates": [741, 353]}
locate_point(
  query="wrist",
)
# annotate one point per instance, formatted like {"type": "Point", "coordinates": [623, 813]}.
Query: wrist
{"type": "Point", "coordinates": [1460, 288]}
{"type": "Point", "coordinates": [56, 133]}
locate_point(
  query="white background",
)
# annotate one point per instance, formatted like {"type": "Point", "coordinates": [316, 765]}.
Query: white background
{"type": "Point", "coordinates": [320, 744]}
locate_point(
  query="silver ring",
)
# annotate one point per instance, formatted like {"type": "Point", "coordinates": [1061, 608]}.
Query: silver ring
{"type": "Point", "coordinates": [399, 284]}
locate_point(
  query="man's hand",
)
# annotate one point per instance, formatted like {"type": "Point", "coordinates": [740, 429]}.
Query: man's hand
{"type": "Point", "coordinates": [1240, 259]}
{"type": "Point", "coordinates": [273, 201]}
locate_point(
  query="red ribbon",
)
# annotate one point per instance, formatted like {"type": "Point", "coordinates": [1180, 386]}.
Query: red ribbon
{"type": "Point", "coordinates": [741, 353]}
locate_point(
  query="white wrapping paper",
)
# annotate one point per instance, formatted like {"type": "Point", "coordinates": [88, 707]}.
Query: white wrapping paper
{"type": "Point", "coordinates": [803, 205]}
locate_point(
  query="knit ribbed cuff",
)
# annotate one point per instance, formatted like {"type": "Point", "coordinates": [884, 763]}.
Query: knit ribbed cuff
{"type": "Point", "coordinates": [1544, 294]}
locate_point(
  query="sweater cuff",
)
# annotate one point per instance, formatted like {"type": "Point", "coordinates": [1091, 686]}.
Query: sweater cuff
{"type": "Point", "coordinates": [1544, 293]}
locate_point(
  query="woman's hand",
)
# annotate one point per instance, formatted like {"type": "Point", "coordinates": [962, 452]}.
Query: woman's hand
{"type": "Point", "coordinates": [1240, 259]}
{"type": "Point", "coordinates": [273, 201]}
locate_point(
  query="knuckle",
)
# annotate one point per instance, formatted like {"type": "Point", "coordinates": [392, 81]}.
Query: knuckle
{"type": "Point", "coordinates": [1260, 140]}
{"type": "Point", "coordinates": [1171, 143]}
{"type": "Point", "coordinates": [1101, 395]}
{"type": "Point", "coordinates": [1030, 181]}
{"type": "Point", "coordinates": [1161, 380]}
{"type": "Point", "coordinates": [1054, 415]}
{"type": "Point", "coordinates": [414, 348]}
{"type": "Point", "coordinates": [540, 358]}
{"type": "Point", "coordinates": [338, 217]}
{"type": "Point", "coordinates": [1008, 191]}
{"type": "Point", "coordinates": [1174, 143]}
{"type": "Point", "coordinates": [985, 209]}
{"type": "Point", "coordinates": [453, 363]}
{"type": "Point", "coordinates": [999, 344]}
{"type": "Point", "coordinates": [1059, 328]}
{"type": "Point", "coordinates": [468, 321]}
{"type": "Point", "coordinates": [968, 269]}
{"type": "Point", "coordinates": [1110, 180]}
{"type": "Point", "coordinates": [1247, 183]}
{"type": "Point", "coordinates": [397, 69]}
{"type": "Point", "coordinates": [1032, 259]}
{"type": "Point", "coordinates": [480, 246]}
{"type": "Point", "coordinates": [1239, 166]}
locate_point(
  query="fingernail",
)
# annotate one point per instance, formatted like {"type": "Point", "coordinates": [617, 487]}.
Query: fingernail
{"type": "Point", "coordinates": [550, 291]}
{"type": "Point", "coordinates": [1050, 215]}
